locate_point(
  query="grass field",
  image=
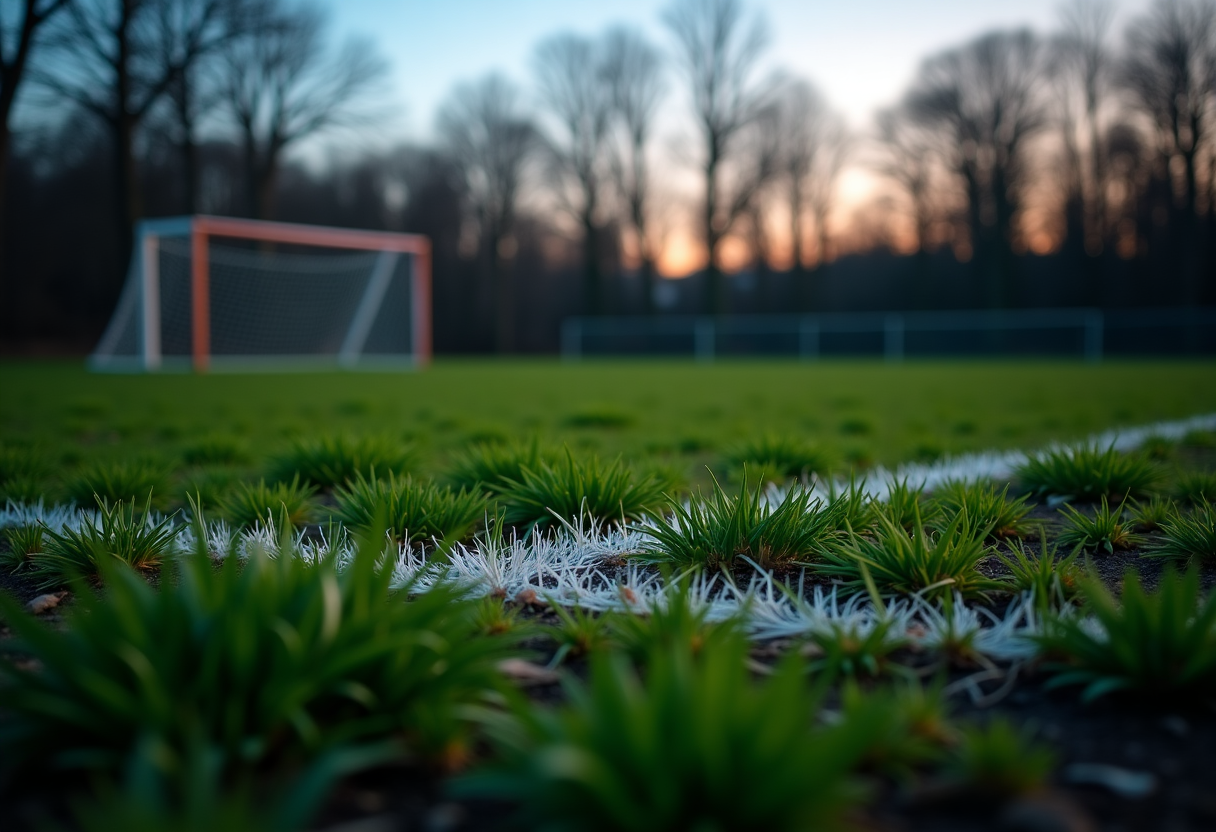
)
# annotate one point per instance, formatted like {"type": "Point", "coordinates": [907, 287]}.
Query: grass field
{"type": "Point", "coordinates": [389, 601]}
{"type": "Point", "coordinates": [682, 414]}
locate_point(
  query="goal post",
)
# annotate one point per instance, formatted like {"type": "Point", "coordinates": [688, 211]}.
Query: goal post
{"type": "Point", "coordinates": [217, 292]}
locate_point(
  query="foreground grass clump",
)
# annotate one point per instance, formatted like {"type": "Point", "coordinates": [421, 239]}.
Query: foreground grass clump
{"type": "Point", "coordinates": [217, 449]}
{"type": "Point", "coordinates": [329, 461]}
{"type": "Point", "coordinates": [998, 761]}
{"type": "Point", "coordinates": [690, 744]}
{"type": "Point", "coordinates": [22, 541]}
{"type": "Point", "coordinates": [716, 531]}
{"type": "Point", "coordinates": [1148, 515]}
{"type": "Point", "coordinates": [23, 472]}
{"type": "Point", "coordinates": [413, 512]}
{"type": "Point", "coordinates": [574, 491]}
{"type": "Point", "coordinates": [915, 730]}
{"type": "Point", "coordinates": [1086, 472]}
{"type": "Point", "coordinates": [1196, 487]}
{"type": "Point", "coordinates": [674, 622]}
{"type": "Point", "coordinates": [905, 505]}
{"type": "Point", "coordinates": [1107, 529]}
{"type": "Point", "coordinates": [1051, 580]}
{"type": "Point", "coordinates": [917, 562]}
{"type": "Point", "coordinates": [1158, 645]}
{"type": "Point", "coordinates": [492, 467]}
{"type": "Point", "coordinates": [118, 533]}
{"type": "Point", "coordinates": [1189, 537]}
{"type": "Point", "coordinates": [984, 505]}
{"type": "Point", "coordinates": [262, 665]}
{"type": "Point", "coordinates": [249, 505]}
{"type": "Point", "coordinates": [125, 480]}
{"type": "Point", "coordinates": [774, 458]}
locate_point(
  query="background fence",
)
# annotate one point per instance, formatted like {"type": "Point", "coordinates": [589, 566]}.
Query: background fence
{"type": "Point", "coordinates": [1088, 333]}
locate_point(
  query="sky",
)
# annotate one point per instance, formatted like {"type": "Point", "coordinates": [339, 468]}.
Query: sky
{"type": "Point", "coordinates": [861, 54]}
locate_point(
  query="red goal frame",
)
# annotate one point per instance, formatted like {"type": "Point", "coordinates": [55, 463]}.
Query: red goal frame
{"type": "Point", "coordinates": [204, 227]}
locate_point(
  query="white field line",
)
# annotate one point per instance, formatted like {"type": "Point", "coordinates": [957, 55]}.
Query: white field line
{"type": "Point", "coordinates": [578, 566]}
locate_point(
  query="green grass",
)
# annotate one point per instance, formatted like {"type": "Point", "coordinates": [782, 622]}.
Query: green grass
{"type": "Point", "coordinates": [689, 745]}
{"type": "Point", "coordinates": [1188, 537]}
{"type": "Point", "coordinates": [246, 505]}
{"type": "Point", "coordinates": [413, 512]}
{"type": "Point", "coordinates": [917, 562]}
{"type": "Point", "coordinates": [1088, 472]}
{"type": "Point", "coordinates": [268, 662]}
{"type": "Point", "coordinates": [687, 408]}
{"type": "Point", "coordinates": [716, 530]}
{"type": "Point", "coordinates": [1107, 529]}
{"type": "Point", "coordinates": [984, 505]}
{"type": "Point", "coordinates": [1158, 645]}
{"type": "Point", "coordinates": [121, 533]}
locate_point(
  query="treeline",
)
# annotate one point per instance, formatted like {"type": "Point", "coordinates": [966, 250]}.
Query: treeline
{"type": "Point", "coordinates": [1076, 167]}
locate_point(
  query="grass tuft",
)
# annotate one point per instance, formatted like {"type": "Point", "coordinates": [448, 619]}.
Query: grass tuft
{"type": "Point", "coordinates": [1051, 580]}
{"type": "Point", "coordinates": [124, 480]}
{"type": "Point", "coordinates": [1158, 645]}
{"type": "Point", "coordinates": [1107, 529]}
{"type": "Point", "coordinates": [218, 449]}
{"type": "Point", "coordinates": [916, 562]}
{"type": "Point", "coordinates": [120, 533]}
{"type": "Point", "coordinates": [329, 461]}
{"type": "Point", "coordinates": [249, 505]}
{"type": "Point", "coordinates": [984, 505]}
{"type": "Point", "coordinates": [574, 491]}
{"type": "Point", "coordinates": [997, 761]}
{"type": "Point", "coordinates": [1196, 487]}
{"type": "Point", "coordinates": [413, 512]}
{"type": "Point", "coordinates": [259, 666]}
{"type": "Point", "coordinates": [23, 541]}
{"type": "Point", "coordinates": [853, 648]}
{"type": "Point", "coordinates": [492, 466]}
{"type": "Point", "coordinates": [692, 746]}
{"type": "Point", "coordinates": [1149, 515]}
{"type": "Point", "coordinates": [1189, 537]}
{"type": "Point", "coordinates": [1087, 472]}
{"type": "Point", "coordinates": [774, 458]}
{"type": "Point", "coordinates": [716, 531]}
{"type": "Point", "coordinates": [905, 505]}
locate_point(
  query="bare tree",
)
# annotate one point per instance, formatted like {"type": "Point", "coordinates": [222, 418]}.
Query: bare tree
{"type": "Point", "coordinates": [983, 100]}
{"type": "Point", "coordinates": [493, 141]}
{"type": "Point", "coordinates": [719, 50]}
{"type": "Point", "coordinates": [110, 58]}
{"type": "Point", "coordinates": [191, 37]}
{"type": "Point", "coordinates": [282, 84]}
{"type": "Point", "coordinates": [574, 88]}
{"type": "Point", "coordinates": [1169, 70]}
{"type": "Point", "coordinates": [1080, 66]}
{"type": "Point", "coordinates": [634, 69]}
{"type": "Point", "coordinates": [909, 155]}
{"type": "Point", "coordinates": [17, 42]}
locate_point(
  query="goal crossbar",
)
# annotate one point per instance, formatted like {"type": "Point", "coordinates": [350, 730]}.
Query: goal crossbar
{"type": "Point", "coordinates": [200, 230]}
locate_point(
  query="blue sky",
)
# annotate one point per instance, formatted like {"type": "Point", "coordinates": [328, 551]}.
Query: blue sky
{"type": "Point", "coordinates": [861, 53]}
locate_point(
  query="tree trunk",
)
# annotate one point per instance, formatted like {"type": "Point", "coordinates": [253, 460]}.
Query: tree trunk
{"type": "Point", "coordinates": [592, 278]}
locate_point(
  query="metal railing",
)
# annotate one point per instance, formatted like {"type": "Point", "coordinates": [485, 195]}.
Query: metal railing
{"type": "Point", "coordinates": [1087, 333]}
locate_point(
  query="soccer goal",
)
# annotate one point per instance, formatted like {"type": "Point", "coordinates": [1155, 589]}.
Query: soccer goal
{"type": "Point", "coordinates": [215, 292]}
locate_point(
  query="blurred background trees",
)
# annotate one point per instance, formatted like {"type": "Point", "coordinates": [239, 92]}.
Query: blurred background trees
{"type": "Point", "coordinates": [1020, 169]}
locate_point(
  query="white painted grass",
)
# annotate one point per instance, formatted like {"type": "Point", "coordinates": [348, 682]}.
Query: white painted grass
{"type": "Point", "coordinates": [577, 565]}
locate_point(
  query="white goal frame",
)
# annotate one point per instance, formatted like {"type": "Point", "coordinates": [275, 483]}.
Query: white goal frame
{"type": "Point", "coordinates": [199, 230]}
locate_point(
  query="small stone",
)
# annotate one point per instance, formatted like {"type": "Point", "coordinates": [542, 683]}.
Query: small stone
{"type": "Point", "coordinates": [527, 673]}
{"type": "Point", "coordinates": [527, 596]}
{"type": "Point", "coordinates": [1121, 781]}
{"type": "Point", "coordinates": [44, 603]}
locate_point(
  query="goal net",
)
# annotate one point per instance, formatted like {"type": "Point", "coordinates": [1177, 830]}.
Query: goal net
{"type": "Point", "coordinates": [208, 292]}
